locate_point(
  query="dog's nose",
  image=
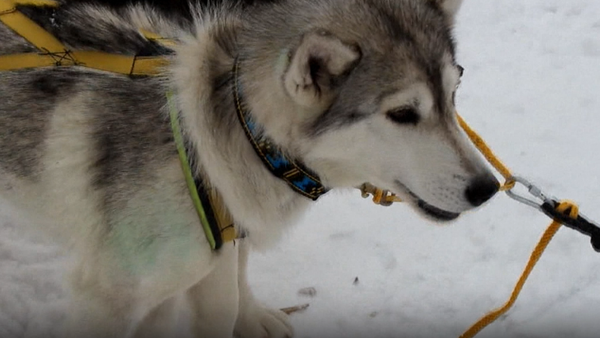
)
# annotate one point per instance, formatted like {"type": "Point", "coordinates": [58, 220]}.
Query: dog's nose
{"type": "Point", "coordinates": [481, 189]}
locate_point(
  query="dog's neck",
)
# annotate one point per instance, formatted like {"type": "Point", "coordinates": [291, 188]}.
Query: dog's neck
{"type": "Point", "coordinates": [300, 179]}
{"type": "Point", "coordinates": [258, 201]}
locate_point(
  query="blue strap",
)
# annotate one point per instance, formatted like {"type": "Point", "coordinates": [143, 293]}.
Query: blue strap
{"type": "Point", "coordinates": [295, 174]}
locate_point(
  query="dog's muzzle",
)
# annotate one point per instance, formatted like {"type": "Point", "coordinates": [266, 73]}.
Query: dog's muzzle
{"type": "Point", "coordinates": [481, 189]}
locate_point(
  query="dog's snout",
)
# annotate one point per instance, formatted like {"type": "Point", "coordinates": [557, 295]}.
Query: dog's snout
{"type": "Point", "coordinates": [481, 190]}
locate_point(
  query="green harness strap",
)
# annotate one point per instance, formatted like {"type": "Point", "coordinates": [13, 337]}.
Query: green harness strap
{"type": "Point", "coordinates": [218, 227]}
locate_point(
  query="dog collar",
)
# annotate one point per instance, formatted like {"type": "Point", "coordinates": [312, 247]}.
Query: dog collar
{"type": "Point", "coordinates": [216, 222]}
{"type": "Point", "coordinates": [301, 179]}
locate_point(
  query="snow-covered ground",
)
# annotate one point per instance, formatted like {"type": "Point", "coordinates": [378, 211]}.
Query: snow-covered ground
{"type": "Point", "coordinates": [532, 89]}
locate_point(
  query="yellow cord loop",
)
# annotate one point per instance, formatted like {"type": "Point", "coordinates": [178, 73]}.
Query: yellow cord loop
{"type": "Point", "coordinates": [563, 207]}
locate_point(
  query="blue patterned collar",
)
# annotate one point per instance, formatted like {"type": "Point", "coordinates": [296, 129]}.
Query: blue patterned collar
{"type": "Point", "coordinates": [301, 179]}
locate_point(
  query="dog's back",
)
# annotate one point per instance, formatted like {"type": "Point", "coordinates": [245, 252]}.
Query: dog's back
{"type": "Point", "coordinates": [77, 143]}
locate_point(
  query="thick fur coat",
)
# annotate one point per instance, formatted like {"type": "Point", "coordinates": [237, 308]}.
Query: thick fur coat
{"type": "Point", "coordinates": [358, 90]}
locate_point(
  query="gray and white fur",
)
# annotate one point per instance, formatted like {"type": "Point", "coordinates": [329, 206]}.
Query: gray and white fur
{"type": "Point", "coordinates": [358, 90]}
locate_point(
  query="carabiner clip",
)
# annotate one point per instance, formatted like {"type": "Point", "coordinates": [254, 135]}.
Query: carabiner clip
{"type": "Point", "coordinates": [537, 198]}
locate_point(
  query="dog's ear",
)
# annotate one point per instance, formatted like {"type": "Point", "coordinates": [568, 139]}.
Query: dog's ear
{"type": "Point", "coordinates": [451, 7]}
{"type": "Point", "coordinates": [317, 68]}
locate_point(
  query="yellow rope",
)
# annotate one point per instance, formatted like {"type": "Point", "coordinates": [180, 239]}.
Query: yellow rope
{"type": "Point", "coordinates": [488, 154]}
{"type": "Point", "coordinates": [563, 207]}
{"type": "Point", "coordinates": [535, 256]}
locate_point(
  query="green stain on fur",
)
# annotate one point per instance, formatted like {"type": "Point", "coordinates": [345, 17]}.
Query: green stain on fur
{"type": "Point", "coordinates": [143, 246]}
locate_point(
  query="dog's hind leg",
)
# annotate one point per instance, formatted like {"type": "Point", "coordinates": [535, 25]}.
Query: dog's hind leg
{"type": "Point", "coordinates": [215, 299]}
{"type": "Point", "coordinates": [254, 319]}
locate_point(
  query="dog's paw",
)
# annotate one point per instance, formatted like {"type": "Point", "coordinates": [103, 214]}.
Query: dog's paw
{"type": "Point", "coordinates": [263, 323]}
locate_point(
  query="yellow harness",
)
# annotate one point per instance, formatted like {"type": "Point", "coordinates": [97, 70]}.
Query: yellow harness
{"type": "Point", "coordinates": [215, 219]}
{"type": "Point", "coordinates": [52, 52]}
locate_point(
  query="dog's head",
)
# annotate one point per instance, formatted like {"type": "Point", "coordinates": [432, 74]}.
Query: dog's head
{"type": "Point", "coordinates": [368, 89]}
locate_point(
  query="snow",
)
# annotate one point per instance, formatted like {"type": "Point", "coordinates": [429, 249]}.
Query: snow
{"type": "Point", "coordinates": [531, 89]}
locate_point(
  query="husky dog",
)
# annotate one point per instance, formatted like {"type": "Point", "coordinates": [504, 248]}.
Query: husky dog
{"type": "Point", "coordinates": [356, 90]}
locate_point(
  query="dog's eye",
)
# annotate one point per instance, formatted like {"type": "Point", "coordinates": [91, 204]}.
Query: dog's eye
{"type": "Point", "coordinates": [404, 115]}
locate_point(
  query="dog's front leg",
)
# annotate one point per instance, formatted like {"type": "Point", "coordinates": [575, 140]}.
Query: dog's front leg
{"type": "Point", "coordinates": [102, 305]}
{"type": "Point", "coordinates": [255, 320]}
{"type": "Point", "coordinates": [215, 299]}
